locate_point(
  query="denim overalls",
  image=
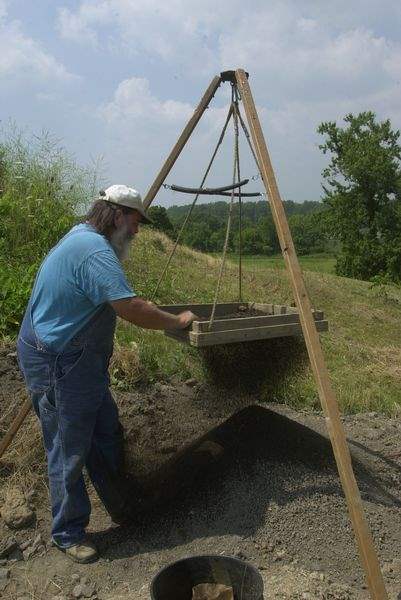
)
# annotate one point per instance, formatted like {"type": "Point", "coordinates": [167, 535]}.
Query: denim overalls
{"type": "Point", "coordinates": [79, 418]}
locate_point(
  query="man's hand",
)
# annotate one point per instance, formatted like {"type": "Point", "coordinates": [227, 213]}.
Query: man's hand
{"type": "Point", "coordinates": [146, 314]}
{"type": "Point", "coordinates": [185, 319]}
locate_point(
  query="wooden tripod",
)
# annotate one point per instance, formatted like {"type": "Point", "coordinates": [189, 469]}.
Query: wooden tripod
{"type": "Point", "coordinates": [328, 399]}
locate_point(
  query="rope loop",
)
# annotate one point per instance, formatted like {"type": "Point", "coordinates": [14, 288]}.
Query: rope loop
{"type": "Point", "coordinates": [188, 216]}
{"type": "Point", "coordinates": [236, 173]}
{"type": "Point", "coordinates": [233, 112]}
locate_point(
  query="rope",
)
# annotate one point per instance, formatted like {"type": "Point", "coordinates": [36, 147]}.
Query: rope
{"type": "Point", "coordinates": [248, 137]}
{"type": "Point", "coordinates": [236, 109]}
{"type": "Point", "coordinates": [230, 213]}
{"type": "Point", "coordinates": [235, 112]}
{"type": "Point", "coordinates": [230, 111]}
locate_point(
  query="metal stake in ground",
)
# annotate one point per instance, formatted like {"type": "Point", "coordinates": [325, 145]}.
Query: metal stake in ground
{"type": "Point", "coordinates": [363, 536]}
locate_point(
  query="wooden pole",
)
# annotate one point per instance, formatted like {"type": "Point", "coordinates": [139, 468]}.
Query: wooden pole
{"type": "Point", "coordinates": [15, 425]}
{"type": "Point", "coordinates": [328, 400]}
{"type": "Point", "coordinates": [182, 140]}
{"type": "Point", "coordinates": [174, 154]}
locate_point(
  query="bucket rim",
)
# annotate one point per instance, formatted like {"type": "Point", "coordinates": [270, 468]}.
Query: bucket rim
{"type": "Point", "coordinates": [235, 559]}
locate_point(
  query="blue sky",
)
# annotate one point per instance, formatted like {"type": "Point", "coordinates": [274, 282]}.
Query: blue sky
{"type": "Point", "coordinates": [118, 79]}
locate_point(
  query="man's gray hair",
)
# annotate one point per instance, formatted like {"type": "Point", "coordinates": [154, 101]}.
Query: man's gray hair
{"type": "Point", "coordinates": [101, 216]}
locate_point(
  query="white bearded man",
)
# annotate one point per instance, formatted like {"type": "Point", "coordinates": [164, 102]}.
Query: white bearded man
{"type": "Point", "coordinates": [64, 348]}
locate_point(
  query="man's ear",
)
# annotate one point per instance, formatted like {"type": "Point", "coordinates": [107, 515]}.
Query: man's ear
{"type": "Point", "coordinates": [118, 217]}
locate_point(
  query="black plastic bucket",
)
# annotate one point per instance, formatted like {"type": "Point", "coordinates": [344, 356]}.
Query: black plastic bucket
{"type": "Point", "coordinates": [175, 582]}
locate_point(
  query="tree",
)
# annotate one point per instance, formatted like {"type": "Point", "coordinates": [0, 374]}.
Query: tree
{"type": "Point", "coordinates": [160, 220]}
{"type": "Point", "coordinates": [268, 233]}
{"type": "Point", "coordinates": [252, 242]}
{"type": "Point", "coordinates": [307, 233]}
{"type": "Point", "coordinates": [197, 235]}
{"type": "Point", "coordinates": [362, 192]}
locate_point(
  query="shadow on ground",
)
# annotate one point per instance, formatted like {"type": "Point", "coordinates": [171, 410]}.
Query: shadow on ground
{"type": "Point", "coordinates": [225, 482]}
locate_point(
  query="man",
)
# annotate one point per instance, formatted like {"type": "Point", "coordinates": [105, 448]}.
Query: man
{"type": "Point", "coordinates": [64, 347]}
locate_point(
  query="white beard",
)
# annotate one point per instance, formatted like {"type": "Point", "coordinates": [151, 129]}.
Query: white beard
{"type": "Point", "coordinates": [121, 241]}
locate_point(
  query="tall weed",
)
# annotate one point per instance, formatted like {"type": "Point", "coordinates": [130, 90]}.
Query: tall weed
{"type": "Point", "coordinates": [42, 192]}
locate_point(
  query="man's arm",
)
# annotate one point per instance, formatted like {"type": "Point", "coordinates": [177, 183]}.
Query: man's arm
{"type": "Point", "coordinates": [145, 314]}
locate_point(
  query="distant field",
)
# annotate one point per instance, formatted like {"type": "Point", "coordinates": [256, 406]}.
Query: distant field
{"type": "Point", "coordinates": [320, 263]}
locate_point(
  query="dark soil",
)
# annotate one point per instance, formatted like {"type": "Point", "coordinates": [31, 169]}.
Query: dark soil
{"type": "Point", "coordinates": [237, 478]}
{"type": "Point", "coordinates": [239, 314]}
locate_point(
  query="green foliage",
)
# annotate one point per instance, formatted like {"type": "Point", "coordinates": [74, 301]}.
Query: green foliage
{"type": "Point", "coordinates": [362, 346]}
{"type": "Point", "coordinates": [15, 288]}
{"type": "Point", "coordinates": [307, 233]}
{"type": "Point", "coordinates": [252, 242]}
{"type": "Point", "coordinates": [251, 211]}
{"type": "Point", "coordinates": [199, 235]}
{"type": "Point", "coordinates": [160, 220]}
{"type": "Point", "coordinates": [318, 263]}
{"type": "Point", "coordinates": [363, 195]}
{"type": "Point", "coordinates": [206, 229]}
{"type": "Point", "coordinates": [42, 191]}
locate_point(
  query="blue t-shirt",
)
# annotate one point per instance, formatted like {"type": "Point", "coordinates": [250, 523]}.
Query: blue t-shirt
{"type": "Point", "coordinates": [77, 276]}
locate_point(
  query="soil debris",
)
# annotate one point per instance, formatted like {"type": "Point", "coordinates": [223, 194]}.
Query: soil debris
{"type": "Point", "coordinates": [7, 546]}
{"type": "Point", "coordinates": [272, 496]}
{"type": "Point", "coordinates": [16, 512]}
{"type": "Point", "coordinates": [241, 313]}
{"type": "Point", "coordinates": [4, 578]}
{"type": "Point", "coordinates": [212, 591]}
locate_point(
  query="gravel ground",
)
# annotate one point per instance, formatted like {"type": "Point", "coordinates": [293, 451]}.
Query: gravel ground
{"type": "Point", "coordinates": [270, 495]}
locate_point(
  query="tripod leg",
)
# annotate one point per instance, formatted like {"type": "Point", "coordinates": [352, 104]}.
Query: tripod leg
{"type": "Point", "coordinates": [328, 399]}
{"type": "Point", "coordinates": [182, 140]}
{"type": "Point", "coordinates": [15, 425]}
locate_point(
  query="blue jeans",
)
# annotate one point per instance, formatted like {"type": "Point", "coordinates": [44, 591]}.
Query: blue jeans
{"type": "Point", "coordinates": [79, 418]}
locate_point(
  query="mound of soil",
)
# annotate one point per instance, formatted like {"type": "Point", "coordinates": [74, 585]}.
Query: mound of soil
{"type": "Point", "coordinates": [235, 477]}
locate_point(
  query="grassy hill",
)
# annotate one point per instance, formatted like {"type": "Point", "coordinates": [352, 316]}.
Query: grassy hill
{"type": "Point", "coordinates": [38, 204]}
{"type": "Point", "coordinates": [362, 348]}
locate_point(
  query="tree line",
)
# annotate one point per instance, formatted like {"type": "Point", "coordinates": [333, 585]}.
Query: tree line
{"type": "Point", "coordinates": [358, 218]}
{"type": "Point", "coordinates": [206, 230]}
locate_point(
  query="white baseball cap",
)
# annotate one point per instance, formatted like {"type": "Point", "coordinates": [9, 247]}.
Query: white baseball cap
{"type": "Point", "coordinates": [122, 195]}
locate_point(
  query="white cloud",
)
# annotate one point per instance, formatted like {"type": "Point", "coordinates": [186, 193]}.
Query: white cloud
{"type": "Point", "coordinates": [299, 49]}
{"type": "Point", "coordinates": [78, 26]}
{"type": "Point", "coordinates": [178, 32]}
{"type": "Point", "coordinates": [3, 9]}
{"type": "Point", "coordinates": [303, 59]}
{"type": "Point", "coordinates": [73, 28]}
{"type": "Point", "coordinates": [305, 67]}
{"type": "Point", "coordinates": [134, 101]}
{"type": "Point", "coordinates": [308, 62]}
{"type": "Point", "coordinates": [23, 58]}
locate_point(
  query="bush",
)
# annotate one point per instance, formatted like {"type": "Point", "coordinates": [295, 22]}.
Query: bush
{"type": "Point", "coordinates": [363, 196]}
{"type": "Point", "coordinates": [42, 192]}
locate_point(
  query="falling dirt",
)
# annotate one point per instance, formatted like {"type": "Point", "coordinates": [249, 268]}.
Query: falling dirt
{"type": "Point", "coordinates": [264, 488]}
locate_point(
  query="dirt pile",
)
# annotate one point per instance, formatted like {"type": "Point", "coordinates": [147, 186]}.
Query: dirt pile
{"type": "Point", "coordinates": [272, 497]}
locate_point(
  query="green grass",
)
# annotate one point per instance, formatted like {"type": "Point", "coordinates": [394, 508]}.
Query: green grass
{"type": "Point", "coordinates": [41, 192]}
{"type": "Point", "coordinates": [38, 202]}
{"type": "Point", "coordinates": [362, 347]}
{"type": "Point", "coordinates": [320, 263]}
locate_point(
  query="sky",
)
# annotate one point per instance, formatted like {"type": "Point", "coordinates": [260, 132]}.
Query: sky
{"type": "Point", "coordinates": [116, 80]}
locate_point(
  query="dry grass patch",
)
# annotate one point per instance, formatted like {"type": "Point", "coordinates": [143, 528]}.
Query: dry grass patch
{"type": "Point", "coordinates": [387, 361]}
